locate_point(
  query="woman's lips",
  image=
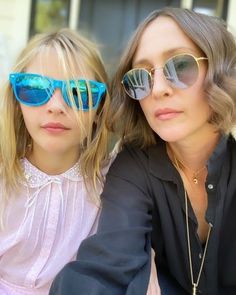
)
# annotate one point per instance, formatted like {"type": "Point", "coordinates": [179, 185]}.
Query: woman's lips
{"type": "Point", "coordinates": [166, 114]}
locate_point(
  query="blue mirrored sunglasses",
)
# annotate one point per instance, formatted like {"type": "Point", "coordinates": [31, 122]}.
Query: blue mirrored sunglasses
{"type": "Point", "coordinates": [36, 90]}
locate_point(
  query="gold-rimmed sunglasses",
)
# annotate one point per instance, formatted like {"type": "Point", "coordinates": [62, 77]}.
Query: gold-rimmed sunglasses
{"type": "Point", "coordinates": [180, 70]}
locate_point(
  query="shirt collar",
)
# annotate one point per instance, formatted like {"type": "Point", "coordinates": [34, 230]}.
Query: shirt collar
{"type": "Point", "coordinates": [217, 158]}
{"type": "Point", "coordinates": [35, 177]}
{"type": "Point", "coordinates": [161, 166]}
{"type": "Point", "coordinates": [159, 162]}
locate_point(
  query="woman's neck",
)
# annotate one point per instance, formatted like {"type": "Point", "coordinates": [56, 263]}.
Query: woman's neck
{"type": "Point", "coordinates": [194, 154]}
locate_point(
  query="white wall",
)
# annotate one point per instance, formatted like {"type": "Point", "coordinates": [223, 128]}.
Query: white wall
{"type": "Point", "coordinates": [231, 20]}
{"type": "Point", "coordinates": [14, 28]}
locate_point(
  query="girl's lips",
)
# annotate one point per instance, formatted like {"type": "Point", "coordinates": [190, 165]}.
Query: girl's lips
{"type": "Point", "coordinates": [55, 127]}
{"type": "Point", "coordinates": [166, 114]}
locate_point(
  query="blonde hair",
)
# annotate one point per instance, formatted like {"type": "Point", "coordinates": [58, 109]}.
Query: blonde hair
{"type": "Point", "coordinates": [217, 44]}
{"type": "Point", "coordinates": [74, 52]}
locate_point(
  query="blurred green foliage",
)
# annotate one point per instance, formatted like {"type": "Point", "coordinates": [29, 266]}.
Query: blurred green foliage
{"type": "Point", "coordinates": [50, 15]}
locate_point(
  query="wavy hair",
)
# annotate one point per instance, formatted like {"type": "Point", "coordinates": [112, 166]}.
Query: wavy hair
{"type": "Point", "coordinates": [74, 52]}
{"type": "Point", "coordinates": [210, 34]}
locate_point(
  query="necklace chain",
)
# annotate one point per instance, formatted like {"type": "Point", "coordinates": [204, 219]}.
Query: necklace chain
{"type": "Point", "coordinates": [195, 173]}
{"type": "Point", "coordinates": [194, 284]}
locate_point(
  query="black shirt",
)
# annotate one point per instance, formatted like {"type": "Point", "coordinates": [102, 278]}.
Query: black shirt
{"type": "Point", "coordinates": [143, 207]}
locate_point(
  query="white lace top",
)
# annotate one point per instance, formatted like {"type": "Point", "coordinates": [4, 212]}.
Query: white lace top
{"type": "Point", "coordinates": [44, 226]}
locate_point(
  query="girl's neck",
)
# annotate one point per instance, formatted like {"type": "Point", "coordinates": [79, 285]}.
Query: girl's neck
{"type": "Point", "coordinates": [52, 164]}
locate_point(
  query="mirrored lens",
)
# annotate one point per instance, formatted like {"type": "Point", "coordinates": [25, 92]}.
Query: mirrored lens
{"type": "Point", "coordinates": [82, 91]}
{"type": "Point", "coordinates": [137, 83]}
{"type": "Point", "coordinates": [181, 71]}
{"type": "Point", "coordinates": [32, 90]}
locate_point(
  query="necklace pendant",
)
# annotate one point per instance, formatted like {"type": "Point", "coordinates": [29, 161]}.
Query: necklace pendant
{"type": "Point", "coordinates": [194, 289]}
{"type": "Point", "coordinates": [195, 180]}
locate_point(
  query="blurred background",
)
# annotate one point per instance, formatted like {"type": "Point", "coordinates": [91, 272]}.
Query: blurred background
{"type": "Point", "coordinates": [108, 22]}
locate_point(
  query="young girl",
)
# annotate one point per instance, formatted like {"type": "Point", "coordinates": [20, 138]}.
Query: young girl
{"type": "Point", "coordinates": [53, 153]}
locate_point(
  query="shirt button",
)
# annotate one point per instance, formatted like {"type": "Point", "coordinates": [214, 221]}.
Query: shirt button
{"type": "Point", "coordinates": [200, 255]}
{"type": "Point", "coordinates": [210, 186]}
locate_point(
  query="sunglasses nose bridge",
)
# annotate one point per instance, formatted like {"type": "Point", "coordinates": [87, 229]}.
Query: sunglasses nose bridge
{"type": "Point", "coordinates": [57, 100]}
{"type": "Point", "coordinates": [154, 71]}
{"type": "Point", "coordinates": [58, 84]}
{"type": "Point", "coordinates": [160, 85]}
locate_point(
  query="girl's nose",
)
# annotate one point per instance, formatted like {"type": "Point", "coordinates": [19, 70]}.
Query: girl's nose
{"type": "Point", "coordinates": [56, 103]}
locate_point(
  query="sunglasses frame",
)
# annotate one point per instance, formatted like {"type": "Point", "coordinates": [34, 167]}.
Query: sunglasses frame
{"type": "Point", "coordinates": [152, 70]}
{"type": "Point", "coordinates": [63, 86]}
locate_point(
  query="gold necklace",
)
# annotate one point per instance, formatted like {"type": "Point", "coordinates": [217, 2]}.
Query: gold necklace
{"type": "Point", "coordinates": [194, 284]}
{"type": "Point", "coordinates": [195, 173]}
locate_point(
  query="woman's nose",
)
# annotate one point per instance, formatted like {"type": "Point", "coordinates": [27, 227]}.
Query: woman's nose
{"type": "Point", "coordinates": [160, 85]}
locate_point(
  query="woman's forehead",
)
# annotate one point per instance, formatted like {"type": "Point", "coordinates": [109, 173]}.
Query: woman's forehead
{"type": "Point", "coordinates": [162, 36]}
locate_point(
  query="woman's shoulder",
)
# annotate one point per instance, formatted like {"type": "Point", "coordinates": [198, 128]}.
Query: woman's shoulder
{"type": "Point", "coordinates": [130, 153]}
{"type": "Point", "coordinates": [130, 158]}
{"type": "Point", "coordinates": [231, 143]}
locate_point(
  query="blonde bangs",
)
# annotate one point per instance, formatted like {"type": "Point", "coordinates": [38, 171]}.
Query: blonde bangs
{"type": "Point", "coordinates": [94, 149]}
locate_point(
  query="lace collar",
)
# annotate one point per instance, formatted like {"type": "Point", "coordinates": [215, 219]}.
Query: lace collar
{"type": "Point", "coordinates": [35, 177]}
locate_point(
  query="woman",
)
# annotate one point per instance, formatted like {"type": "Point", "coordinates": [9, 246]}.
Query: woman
{"type": "Point", "coordinates": [172, 187]}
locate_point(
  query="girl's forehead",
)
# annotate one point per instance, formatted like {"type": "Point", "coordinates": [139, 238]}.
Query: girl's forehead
{"type": "Point", "coordinates": [57, 64]}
